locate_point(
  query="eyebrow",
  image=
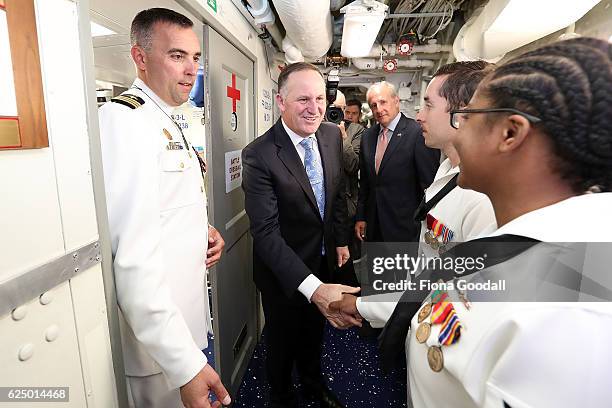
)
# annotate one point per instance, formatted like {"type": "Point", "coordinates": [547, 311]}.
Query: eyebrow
{"type": "Point", "coordinates": [173, 50]}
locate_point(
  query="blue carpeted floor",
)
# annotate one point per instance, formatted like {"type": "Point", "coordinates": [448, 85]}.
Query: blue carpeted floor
{"type": "Point", "coordinates": [350, 366]}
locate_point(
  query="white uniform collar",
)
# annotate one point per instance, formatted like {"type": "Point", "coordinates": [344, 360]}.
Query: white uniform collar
{"type": "Point", "coordinates": [295, 138]}
{"type": "Point", "coordinates": [156, 99]}
{"type": "Point", "coordinates": [446, 169]}
{"type": "Point", "coordinates": [584, 218]}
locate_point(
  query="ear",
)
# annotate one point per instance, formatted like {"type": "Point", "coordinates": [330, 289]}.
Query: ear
{"type": "Point", "coordinates": [280, 102]}
{"type": "Point", "coordinates": [515, 130]}
{"type": "Point", "coordinates": [140, 57]}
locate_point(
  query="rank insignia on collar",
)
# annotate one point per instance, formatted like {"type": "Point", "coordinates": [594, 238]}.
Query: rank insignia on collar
{"type": "Point", "coordinates": [129, 100]}
{"type": "Point", "coordinates": [167, 134]}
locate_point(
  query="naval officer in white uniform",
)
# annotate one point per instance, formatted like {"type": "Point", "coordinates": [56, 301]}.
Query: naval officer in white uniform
{"type": "Point", "coordinates": [535, 137]}
{"type": "Point", "coordinates": [460, 215]}
{"type": "Point", "coordinates": [158, 221]}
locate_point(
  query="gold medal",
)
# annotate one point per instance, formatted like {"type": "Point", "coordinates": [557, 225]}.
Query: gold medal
{"type": "Point", "coordinates": [428, 237]}
{"type": "Point", "coordinates": [424, 312]}
{"type": "Point", "coordinates": [423, 331]}
{"type": "Point", "coordinates": [435, 358]}
{"type": "Point", "coordinates": [435, 244]}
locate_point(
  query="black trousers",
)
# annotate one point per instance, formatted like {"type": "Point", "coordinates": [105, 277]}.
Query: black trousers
{"type": "Point", "coordinates": [293, 335]}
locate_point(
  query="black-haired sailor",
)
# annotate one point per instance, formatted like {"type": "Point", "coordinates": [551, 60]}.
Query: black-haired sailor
{"type": "Point", "coordinates": [536, 138]}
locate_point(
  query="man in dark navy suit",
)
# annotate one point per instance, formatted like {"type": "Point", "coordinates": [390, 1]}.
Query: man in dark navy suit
{"type": "Point", "coordinates": [395, 168]}
{"type": "Point", "coordinates": [294, 197]}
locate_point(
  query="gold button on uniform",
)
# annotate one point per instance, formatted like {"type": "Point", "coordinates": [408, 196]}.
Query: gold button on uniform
{"type": "Point", "coordinates": [182, 165]}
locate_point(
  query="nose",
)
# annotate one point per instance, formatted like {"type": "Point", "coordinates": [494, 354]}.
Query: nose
{"type": "Point", "coordinates": [191, 67]}
{"type": "Point", "coordinates": [419, 117]}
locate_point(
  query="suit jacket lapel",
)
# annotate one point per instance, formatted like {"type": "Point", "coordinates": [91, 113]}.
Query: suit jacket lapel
{"type": "Point", "coordinates": [393, 143]}
{"type": "Point", "coordinates": [327, 162]}
{"type": "Point", "coordinates": [372, 152]}
{"type": "Point", "coordinates": [290, 158]}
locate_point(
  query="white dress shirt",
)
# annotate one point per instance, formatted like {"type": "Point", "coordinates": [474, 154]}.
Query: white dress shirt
{"type": "Point", "coordinates": [311, 283]}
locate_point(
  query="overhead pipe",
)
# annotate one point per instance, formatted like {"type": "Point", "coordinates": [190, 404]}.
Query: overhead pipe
{"type": "Point", "coordinates": [391, 49]}
{"type": "Point", "coordinates": [371, 63]}
{"type": "Point", "coordinates": [264, 17]}
{"type": "Point", "coordinates": [308, 25]}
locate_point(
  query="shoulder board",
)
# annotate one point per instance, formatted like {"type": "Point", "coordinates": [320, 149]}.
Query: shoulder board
{"type": "Point", "coordinates": [131, 101]}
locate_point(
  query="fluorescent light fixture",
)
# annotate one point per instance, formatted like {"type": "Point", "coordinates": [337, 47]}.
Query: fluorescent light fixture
{"type": "Point", "coordinates": [505, 25]}
{"type": "Point", "coordinates": [362, 22]}
{"type": "Point", "coordinates": [98, 30]}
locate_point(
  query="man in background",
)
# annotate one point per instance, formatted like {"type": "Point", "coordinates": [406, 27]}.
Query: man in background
{"type": "Point", "coordinates": [395, 169]}
{"type": "Point", "coordinates": [352, 111]}
{"type": "Point", "coordinates": [351, 132]}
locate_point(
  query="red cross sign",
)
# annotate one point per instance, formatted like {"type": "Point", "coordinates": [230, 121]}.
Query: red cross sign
{"type": "Point", "coordinates": [233, 92]}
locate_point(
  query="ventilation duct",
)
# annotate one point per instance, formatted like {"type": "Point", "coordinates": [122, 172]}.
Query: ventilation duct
{"type": "Point", "coordinates": [308, 25]}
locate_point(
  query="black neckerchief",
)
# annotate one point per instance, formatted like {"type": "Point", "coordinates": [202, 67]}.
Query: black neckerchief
{"type": "Point", "coordinates": [424, 207]}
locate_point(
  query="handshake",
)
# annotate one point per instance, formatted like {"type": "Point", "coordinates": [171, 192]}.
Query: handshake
{"type": "Point", "coordinates": [338, 304]}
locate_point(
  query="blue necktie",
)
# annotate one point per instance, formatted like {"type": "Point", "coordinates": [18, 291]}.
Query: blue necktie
{"type": "Point", "coordinates": [314, 170]}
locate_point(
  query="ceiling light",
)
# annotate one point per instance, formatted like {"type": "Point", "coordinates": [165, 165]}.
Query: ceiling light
{"type": "Point", "coordinates": [98, 30]}
{"type": "Point", "coordinates": [505, 25]}
{"type": "Point", "coordinates": [362, 22]}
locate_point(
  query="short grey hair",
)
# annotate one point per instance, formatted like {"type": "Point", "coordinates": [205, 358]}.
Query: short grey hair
{"type": "Point", "coordinates": [378, 86]}
{"type": "Point", "coordinates": [141, 32]}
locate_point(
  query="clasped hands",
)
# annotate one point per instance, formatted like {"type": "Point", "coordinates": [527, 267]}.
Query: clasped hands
{"type": "Point", "coordinates": [338, 304]}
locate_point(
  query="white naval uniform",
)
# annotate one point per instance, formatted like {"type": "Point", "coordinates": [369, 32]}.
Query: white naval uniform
{"type": "Point", "coordinates": [466, 212]}
{"type": "Point", "coordinates": [526, 354]}
{"type": "Point", "coordinates": [159, 235]}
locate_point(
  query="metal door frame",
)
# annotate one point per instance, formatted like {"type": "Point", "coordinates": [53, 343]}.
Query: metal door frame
{"type": "Point", "coordinates": [210, 191]}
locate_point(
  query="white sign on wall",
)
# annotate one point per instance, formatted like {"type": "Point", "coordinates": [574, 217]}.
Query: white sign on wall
{"type": "Point", "coordinates": [233, 170]}
{"type": "Point", "coordinates": [266, 105]}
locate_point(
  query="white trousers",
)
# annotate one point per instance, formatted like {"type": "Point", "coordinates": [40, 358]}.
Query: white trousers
{"type": "Point", "coordinates": [152, 391]}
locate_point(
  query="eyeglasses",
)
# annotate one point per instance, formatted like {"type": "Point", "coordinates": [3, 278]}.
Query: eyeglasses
{"type": "Point", "coordinates": [454, 118]}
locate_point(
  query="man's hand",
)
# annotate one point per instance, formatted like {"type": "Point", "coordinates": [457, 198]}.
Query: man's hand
{"type": "Point", "coordinates": [347, 307]}
{"type": "Point", "coordinates": [360, 229]}
{"type": "Point", "coordinates": [342, 130]}
{"type": "Point", "coordinates": [194, 394]}
{"type": "Point", "coordinates": [328, 293]}
{"type": "Point", "coordinates": [342, 255]}
{"type": "Point", "coordinates": [215, 246]}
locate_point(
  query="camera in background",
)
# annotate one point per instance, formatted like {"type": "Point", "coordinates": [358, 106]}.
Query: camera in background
{"type": "Point", "coordinates": [332, 113]}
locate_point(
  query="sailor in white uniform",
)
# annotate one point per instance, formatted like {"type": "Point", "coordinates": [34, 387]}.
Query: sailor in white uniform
{"type": "Point", "coordinates": [158, 221]}
{"type": "Point", "coordinates": [449, 214]}
{"type": "Point", "coordinates": [522, 142]}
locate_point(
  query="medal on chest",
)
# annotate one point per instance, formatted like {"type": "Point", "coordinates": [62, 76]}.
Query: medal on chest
{"type": "Point", "coordinates": [440, 310]}
{"type": "Point", "coordinates": [438, 235]}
